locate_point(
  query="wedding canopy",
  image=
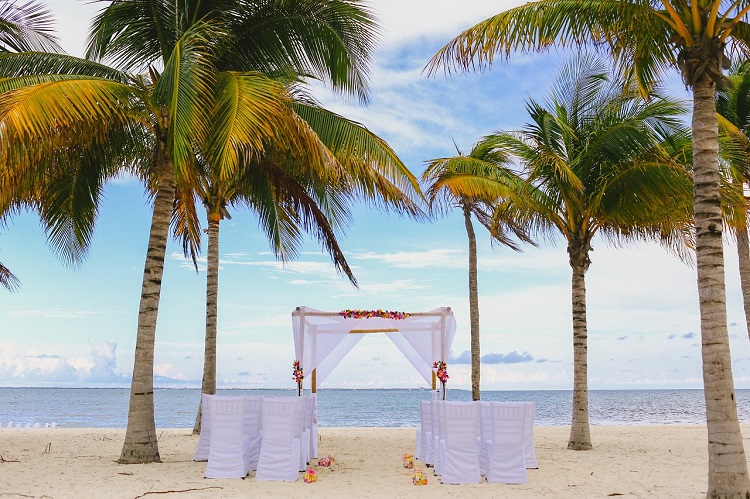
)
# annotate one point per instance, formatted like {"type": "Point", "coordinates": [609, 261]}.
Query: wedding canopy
{"type": "Point", "coordinates": [322, 339]}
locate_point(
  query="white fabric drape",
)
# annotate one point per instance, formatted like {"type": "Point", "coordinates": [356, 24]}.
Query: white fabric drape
{"type": "Point", "coordinates": [322, 339]}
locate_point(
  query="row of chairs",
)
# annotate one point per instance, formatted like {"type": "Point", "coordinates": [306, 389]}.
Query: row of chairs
{"type": "Point", "coordinates": [467, 440]}
{"type": "Point", "coordinates": [27, 426]}
{"type": "Point", "coordinates": [274, 436]}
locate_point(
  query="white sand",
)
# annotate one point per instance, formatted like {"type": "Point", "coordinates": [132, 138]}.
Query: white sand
{"type": "Point", "coordinates": [627, 461]}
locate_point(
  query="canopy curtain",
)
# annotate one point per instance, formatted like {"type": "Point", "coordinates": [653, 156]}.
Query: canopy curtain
{"type": "Point", "coordinates": [323, 339]}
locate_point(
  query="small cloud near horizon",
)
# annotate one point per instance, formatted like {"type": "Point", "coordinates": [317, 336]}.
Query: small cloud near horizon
{"type": "Point", "coordinates": [495, 358]}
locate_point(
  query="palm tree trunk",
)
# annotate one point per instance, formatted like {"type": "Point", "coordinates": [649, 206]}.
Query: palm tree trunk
{"type": "Point", "coordinates": [580, 435]}
{"type": "Point", "coordinates": [140, 438]}
{"type": "Point", "coordinates": [743, 254]}
{"type": "Point", "coordinates": [727, 466]}
{"type": "Point", "coordinates": [473, 304]}
{"type": "Point", "coordinates": [212, 293]}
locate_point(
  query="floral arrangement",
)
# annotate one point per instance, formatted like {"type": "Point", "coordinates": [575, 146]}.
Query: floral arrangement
{"type": "Point", "coordinates": [297, 376]}
{"type": "Point", "coordinates": [326, 461]}
{"type": "Point", "coordinates": [367, 314]}
{"type": "Point", "coordinates": [419, 478]}
{"type": "Point", "coordinates": [442, 373]}
{"type": "Point", "coordinates": [310, 476]}
{"type": "Point", "coordinates": [408, 461]}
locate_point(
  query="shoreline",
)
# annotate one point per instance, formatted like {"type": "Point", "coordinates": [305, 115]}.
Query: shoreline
{"type": "Point", "coordinates": [627, 460]}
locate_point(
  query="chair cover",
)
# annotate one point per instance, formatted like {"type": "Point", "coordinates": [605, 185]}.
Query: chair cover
{"type": "Point", "coordinates": [226, 456]}
{"type": "Point", "coordinates": [253, 407]}
{"type": "Point", "coordinates": [311, 425]}
{"type": "Point", "coordinates": [279, 450]}
{"type": "Point", "coordinates": [506, 458]}
{"type": "Point", "coordinates": [301, 433]}
{"type": "Point", "coordinates": [528, 438]}
{"type": "Point", "coordinates": [459, 450]}
{"type": "Point", "coordinates": [424, 434]}
{"type": "Point", "coordinates": [485, 435]}
{"type": "Point", "coordinates": [435, 435]}
{"type": "Point", "coordinates": [204, 441]}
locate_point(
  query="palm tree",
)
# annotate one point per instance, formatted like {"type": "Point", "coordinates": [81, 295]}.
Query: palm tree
{"type": "Point", "coordinates": [596, 161]}
{"type": "Point", "coordinates": [644, 37]}
{"type": "Point", "coordinates": [733, 105]}
{"type": "Point", "coordinates": [450, 184]}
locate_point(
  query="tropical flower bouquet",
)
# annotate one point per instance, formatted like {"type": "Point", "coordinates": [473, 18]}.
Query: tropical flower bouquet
{"type": "Point", "coordinates": [297, 376]}
{"type": "Point", "coordinates": [442, 373]}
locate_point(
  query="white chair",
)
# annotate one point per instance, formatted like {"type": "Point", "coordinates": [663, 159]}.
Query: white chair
{"type": "Point", "coordinates": [529, 452]}
{"type": "Point", "coordinates": [204, 440]}
{"type": "Point", "coordinates": [279, 450]}
{"type": "Point", "coordinates": [424, 432]}
{"type": "Point", "coordinates": [485, 435]}
{"type": "Point", "coordinates": [459, 445]}
{"type": "Point", "coordinates": [505, 452]}
{"type": "Point", "coordinates": [226, 456]}
{"type": "Point", "coordinates": [301, 433]}
{"type": "Point", "coordinates": [251, 445]}
{"type": "Point", "coordinates": [435, 436]}
{"type": "Point", "coordinates": [311, 425]}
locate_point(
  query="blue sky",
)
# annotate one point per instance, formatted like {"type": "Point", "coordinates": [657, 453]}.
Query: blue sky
{"type": "Point", "coordinates": [77, 327]}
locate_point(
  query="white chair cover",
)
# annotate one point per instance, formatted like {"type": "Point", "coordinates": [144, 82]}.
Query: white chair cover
{"type": "Point", "coordinates": [279, 450]}
{"type": "Point", "coordinates": [485, 435]}
{"type": "Point", "coordinates": [528, 439]}
{"type": "Point", "coordinates": [253, 408]}
{"type": "Point", "coordinates": [506, 457]}
{"type": "Point", "coordinates": [424, 433]}
{"type": "Point", "coordinates": [226, 457]}
{"type": "Point", "coordinates": [435, 435]}
{"type": "Point", "coordinates": [204, 441]}
{"type": "Point", "coordinates": [459, 449]}
{"type": "Point", "coordinates": [301, 433]}
{"type": "Point", "coordinates": [311, 425]}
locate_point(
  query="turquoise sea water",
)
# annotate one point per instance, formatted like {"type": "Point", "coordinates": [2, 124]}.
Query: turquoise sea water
{"type": "Point", "coordinates": [176, 408]}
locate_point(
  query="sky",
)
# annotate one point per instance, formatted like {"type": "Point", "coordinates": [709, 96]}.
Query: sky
{"type": "Point", "coordinates": [77, 326]}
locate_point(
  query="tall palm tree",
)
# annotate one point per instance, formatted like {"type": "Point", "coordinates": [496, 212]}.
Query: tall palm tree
{"type": "Point", "coordinates": [596, 161]}
{"type": "Point", "coordinates": [450, 182]}
{"type": "Point", "coordinates": [59, 110]}
{"type": "Point", "coordinates": [645, 37]}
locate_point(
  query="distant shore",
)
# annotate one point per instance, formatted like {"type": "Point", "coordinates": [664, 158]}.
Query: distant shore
{"type": "Point", "coordinates": [630, 461]}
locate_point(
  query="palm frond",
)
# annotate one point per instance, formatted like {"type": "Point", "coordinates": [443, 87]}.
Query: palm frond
{"type": "Point", "coordinates": [26, 27]}
{"type": "Point", "coordinates": [331, 41]}
{"type": "Point", "coordinates": [45, 63]}
{"type": "Point", "coordinates": [8, 280]}
{"type": "Point", "coordinates": [543, 24]}
{"type": "Point", "coordinates": [185, 89]}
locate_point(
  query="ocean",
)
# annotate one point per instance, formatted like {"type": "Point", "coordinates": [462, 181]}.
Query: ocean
{"type": "Point", "coordinates": [176, 408]}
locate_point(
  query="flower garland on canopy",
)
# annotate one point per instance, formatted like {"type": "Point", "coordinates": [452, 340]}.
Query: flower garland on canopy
{"type": "Point", "coordinates": [297, 376]}
{"type": "Point", "coordinates": [367, 314]}
{"type": "Point", "coordinates": [442, 373]}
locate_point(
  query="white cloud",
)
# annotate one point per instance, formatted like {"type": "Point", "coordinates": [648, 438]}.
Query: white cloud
{"type": "Point", "coordinates": [443, 258]}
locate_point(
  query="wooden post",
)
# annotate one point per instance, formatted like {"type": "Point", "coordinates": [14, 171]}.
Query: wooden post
{"type": "Point", "coordinates": [434, 381]}
{"type": "Point", "coordinates": [314, 381]}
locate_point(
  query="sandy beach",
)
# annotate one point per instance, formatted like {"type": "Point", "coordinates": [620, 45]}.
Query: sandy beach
{"type": "Point", "coordinates": [627, 461]}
